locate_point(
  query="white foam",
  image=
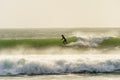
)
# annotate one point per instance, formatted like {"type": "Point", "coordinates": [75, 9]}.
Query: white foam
{"type": "Point", "coordinates": [89, 39]}
{"type": "Point", "coordinates": [58, 64]}
{"type": "Point", "coordinates": [58, 60]}
{"type": "Point", "coordinates": [88, 42]}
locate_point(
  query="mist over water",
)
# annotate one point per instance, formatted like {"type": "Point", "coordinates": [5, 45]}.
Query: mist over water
{"type": "Point", "coordinates": [50, 33]}
{"type": "Point", "coordinates": [22, 60]}
{"type": "Point", "coordinates": [56, 60]}
{"type": "Point", "coordinates": [92, 37]}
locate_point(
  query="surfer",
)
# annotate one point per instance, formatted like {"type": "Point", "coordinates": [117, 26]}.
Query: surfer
{"type": "Point", "coordinates": [64, 39]}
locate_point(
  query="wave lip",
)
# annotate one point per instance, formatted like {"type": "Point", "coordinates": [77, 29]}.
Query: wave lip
{"type": "Point", "coordinates": [22, 67]}
{"type": "Point", "coordinates": [88, 42]}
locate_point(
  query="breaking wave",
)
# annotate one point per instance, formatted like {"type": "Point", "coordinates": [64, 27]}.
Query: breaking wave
{"type": "Point", "coordinates": [88, 42]}
{"type": "Point", "coordinates": [59, 64]}
{"type": "Point", "coordinates": [94, 40]}
{"type": "Point", "coordinates": [32, 57]}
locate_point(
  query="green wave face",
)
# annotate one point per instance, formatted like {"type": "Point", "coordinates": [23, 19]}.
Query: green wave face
{"type": "Point", "coordinates": [37, 43]}
{"type": "Point", "coordinates": [51, 42]}
{"type": "Point", "coordinates": [111, 42]}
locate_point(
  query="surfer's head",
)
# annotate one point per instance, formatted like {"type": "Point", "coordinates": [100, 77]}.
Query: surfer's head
{"type": "Point", "coordinates": [62, 35]}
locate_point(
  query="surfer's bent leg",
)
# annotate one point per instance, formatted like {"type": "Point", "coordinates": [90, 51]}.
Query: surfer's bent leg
{"type": "Point", "coordinates": [65, 42]}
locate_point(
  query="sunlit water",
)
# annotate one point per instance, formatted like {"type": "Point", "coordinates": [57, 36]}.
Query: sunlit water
{"type": "Point", "coordinates": [45, 33]}
{"type": "Point", "coordinates": [57, 63]}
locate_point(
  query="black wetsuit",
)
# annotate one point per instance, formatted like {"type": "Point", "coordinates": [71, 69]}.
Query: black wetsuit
{"type": "Point", "coordinates": [64, 39]}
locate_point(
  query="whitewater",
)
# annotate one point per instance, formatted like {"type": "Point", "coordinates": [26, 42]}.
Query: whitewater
{"type": "Point", "coordinates": [58, 61]}
{"type": "Point", "coordinates": [69, 62]}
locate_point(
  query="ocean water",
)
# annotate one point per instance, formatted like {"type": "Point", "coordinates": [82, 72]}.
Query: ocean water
{"type": "Point", "coordinates": [61, 63]}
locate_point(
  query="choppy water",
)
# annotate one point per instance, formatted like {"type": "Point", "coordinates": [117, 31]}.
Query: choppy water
{"type": "Point", "coordinates": [56, 63]}
{"type": "Point", "coordinates": [32, 33]}
{"type": "Point", "coordinates": [45, 33]}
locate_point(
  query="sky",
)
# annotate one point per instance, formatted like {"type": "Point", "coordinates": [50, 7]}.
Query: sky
{"type": "Point", "coordinates": [59, 13]}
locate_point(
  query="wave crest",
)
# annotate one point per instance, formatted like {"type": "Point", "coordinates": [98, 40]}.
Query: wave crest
{"type": "Point", "coordinates": [22, 67]}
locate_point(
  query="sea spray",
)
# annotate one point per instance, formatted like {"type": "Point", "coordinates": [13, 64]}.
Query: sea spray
{"type": "Point", "coordinates": [90, 39]}
{"type": "Point", "coordinates": [88, 42]}
{"type": "Point", "coordinates": [61, 66]}
{"type": "Point", "coordinates": [96, 33]}
{"type": "Point", "coordinates": [59, 61]}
